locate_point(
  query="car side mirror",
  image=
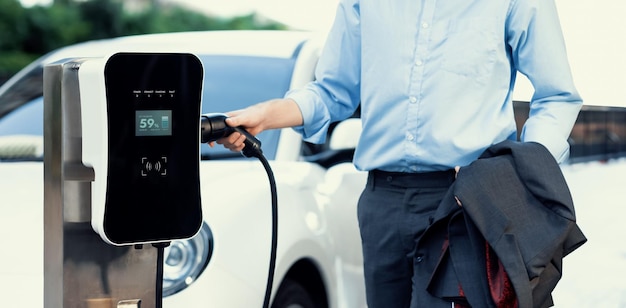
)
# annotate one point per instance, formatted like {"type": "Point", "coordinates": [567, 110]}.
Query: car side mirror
{"type": "Point", "coordinates": [346, 135]}
{"type": "Point", "coordinates": [21, 147]}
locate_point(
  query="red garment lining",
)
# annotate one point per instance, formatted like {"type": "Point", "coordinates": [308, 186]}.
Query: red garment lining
{"type": "Point", "coordinates": [500, 286]}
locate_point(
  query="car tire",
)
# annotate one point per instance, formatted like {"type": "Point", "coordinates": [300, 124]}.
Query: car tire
{"type": "Point", "coordinates": [292, 294]}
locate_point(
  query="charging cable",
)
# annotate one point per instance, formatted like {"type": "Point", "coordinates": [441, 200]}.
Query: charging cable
{"type": "Point", "coordinates": [159, 274]}
{"type": "Point", "coordinates": [213, 127]}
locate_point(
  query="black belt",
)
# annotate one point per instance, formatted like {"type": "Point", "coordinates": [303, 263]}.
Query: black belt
{"type": "Point", "coordinates": [414, 180]}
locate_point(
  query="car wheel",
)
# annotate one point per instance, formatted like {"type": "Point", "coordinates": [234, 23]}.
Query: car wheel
{"type": "Point", "coordinates": [292, 294]}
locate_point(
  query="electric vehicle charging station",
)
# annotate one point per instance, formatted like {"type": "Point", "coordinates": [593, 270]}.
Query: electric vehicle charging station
{"type": "Point", "coordinates": [121, 144]}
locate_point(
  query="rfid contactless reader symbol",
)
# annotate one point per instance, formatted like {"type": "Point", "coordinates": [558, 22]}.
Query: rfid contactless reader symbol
{"type": "Point", "coordinates": [158, 166]}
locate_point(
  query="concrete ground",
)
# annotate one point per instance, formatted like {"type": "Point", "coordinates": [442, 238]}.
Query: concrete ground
{"type": "Point", "coordinates": [595, 274]}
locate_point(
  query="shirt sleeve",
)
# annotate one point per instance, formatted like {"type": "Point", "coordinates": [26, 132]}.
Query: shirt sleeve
{"type": "Point", "coordinates": [538, 49]}
{"type": "Point", "coordinates": [335, 93]}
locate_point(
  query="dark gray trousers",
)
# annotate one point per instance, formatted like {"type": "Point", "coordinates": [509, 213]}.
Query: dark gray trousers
{"type": "Point", "coordinates": [393, 211]}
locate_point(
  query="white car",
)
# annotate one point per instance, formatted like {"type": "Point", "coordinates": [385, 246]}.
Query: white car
{"type": "Point", "coordinates": [319, 260]}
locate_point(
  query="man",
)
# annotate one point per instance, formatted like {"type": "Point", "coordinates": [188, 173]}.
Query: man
{"type": "Point", "coordinates": [434, 80]}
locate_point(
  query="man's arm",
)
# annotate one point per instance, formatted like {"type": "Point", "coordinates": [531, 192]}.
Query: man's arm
{"type": "Point", "coordinates": [276, 113]}
{"type": "Point", "coordinates": [538, 50]}
{"type": "Point", "coordinates": [334, 95]}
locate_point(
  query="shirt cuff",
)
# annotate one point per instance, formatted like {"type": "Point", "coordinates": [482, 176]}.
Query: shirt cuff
{"type": "Point", "coordinates": [315, 118]}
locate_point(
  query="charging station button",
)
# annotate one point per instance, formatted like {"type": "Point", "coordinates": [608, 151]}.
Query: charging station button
{"type": "Point", "coordinates": [154, 166]}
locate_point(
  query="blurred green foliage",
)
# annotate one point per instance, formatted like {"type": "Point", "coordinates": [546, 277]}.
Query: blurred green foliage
{"type": "Point", "coordinates": [27, 33]}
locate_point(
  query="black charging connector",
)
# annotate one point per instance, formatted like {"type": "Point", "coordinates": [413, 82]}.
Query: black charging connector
{"type": "Point", "coordinates": [213, 127]}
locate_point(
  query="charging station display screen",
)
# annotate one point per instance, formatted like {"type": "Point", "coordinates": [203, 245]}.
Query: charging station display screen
{"type": "Point", "coordinates": [153, 107]}
{"type": "Point", "coordinates": [153, 123]}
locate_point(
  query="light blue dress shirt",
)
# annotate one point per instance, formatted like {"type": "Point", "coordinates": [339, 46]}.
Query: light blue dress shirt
{"type": "Point", "coordinates": [435, 79]}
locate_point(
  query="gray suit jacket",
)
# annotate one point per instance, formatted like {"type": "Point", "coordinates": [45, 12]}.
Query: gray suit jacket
{"type": "Point", "coordinates": [516, 199]}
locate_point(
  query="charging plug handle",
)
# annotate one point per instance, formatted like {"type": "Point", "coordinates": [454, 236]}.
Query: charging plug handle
{"type": "Point", "coordinates": [213, 127]}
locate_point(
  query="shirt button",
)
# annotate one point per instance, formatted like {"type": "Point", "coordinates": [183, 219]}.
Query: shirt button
{"type": "Point", "coordinates": [409, 137]}
{"type": "Point", "coordinates": [413, 99]}
{"type": "Point", "coordinates": [419, 62]}
{"type": "Point", "coordinates": [425, 25]}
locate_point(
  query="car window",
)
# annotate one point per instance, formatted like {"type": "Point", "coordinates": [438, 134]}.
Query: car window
{"type": "Point", "coordinates": [27, 119]}
{"type": "Point", "coordinates": [230, 83]}
{"type": "Point", "coordinates": [24, 90]}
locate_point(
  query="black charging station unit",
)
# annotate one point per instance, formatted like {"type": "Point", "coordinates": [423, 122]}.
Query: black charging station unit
{"type": "Point", "coordinates": [152, 157]}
